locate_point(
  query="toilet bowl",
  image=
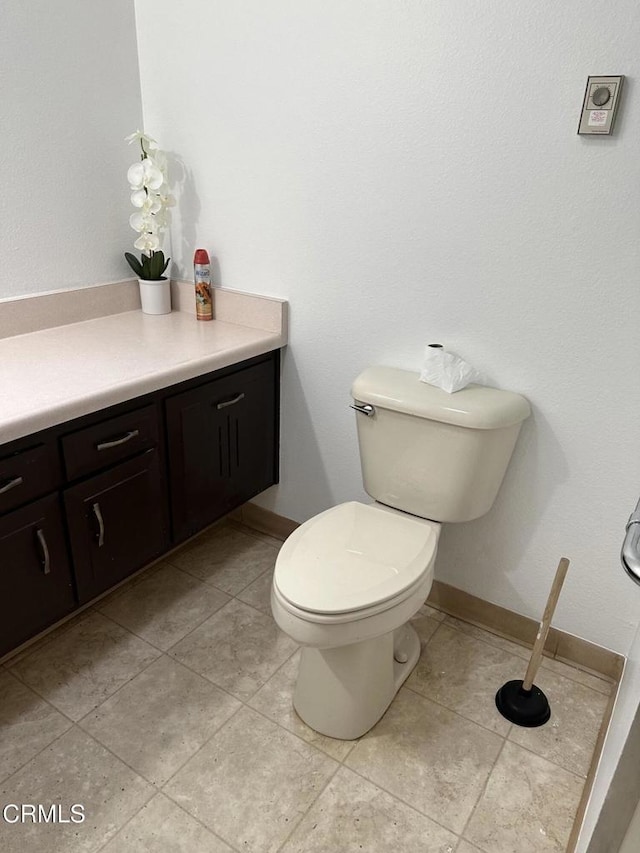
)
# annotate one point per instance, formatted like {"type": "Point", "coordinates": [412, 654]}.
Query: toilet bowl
{"type": "Point", "coordinates": [347, 582]}
{"type": "Point", "coordinates": [345, 585]}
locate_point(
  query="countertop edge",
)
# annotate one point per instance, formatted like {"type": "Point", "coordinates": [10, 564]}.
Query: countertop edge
{"type": "Point", "coordinates": [73, 408]}
{"type": "Point", "coordinates": [246, 325]}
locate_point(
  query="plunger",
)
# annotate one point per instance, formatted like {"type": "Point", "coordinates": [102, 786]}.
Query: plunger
{"type": "Point", "coordinates": [521, 702]}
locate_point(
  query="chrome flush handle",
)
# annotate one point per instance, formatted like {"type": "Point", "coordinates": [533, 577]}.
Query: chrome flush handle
{"type": "Point", "coordinates": [364, 409]}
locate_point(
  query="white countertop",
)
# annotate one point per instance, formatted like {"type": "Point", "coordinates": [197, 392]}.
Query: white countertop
{"type": "Point", "coordinates": [53, 375]}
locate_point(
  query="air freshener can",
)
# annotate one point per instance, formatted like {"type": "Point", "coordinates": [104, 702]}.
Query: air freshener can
{"type": "Point", "coordinates": [202, 278]}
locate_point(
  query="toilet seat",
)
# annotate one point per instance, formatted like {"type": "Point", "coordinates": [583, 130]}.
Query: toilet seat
{"type": "Point", "coordinates": [353, 561]}
{"type": "Point", "coordinates": [348, 616]}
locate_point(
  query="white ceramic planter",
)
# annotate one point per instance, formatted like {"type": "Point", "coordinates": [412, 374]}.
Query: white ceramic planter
{"type": "Point", "coordinates": [155, 296]}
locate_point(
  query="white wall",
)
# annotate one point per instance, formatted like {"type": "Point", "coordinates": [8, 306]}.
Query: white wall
{"type": "Point", "coordinates": [70, 94]}
{"type": "Point", "coordinates": [406, 172]}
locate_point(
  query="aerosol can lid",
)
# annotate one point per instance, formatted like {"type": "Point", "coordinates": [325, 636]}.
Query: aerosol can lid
{"type": "Point", "coordinates": [201, 257]}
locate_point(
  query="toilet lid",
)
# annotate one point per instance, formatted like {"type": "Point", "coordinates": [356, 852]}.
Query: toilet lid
{"type": "Point", "coordinates": [353, 556]}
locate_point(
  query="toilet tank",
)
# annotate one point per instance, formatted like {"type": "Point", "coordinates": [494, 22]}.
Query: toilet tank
{"type": "Point", "coordinates": [436, 455]}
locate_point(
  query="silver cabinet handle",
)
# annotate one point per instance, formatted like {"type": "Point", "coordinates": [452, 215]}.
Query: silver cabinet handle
{"type": "Point", "coordinates": [11, 484]}
{"type": "Point", "coordinates": [630, 554]}
{"type": "Point", "coordinates": [100, 520]}
{"type": "Point", "coordinates": [364, 408]}
{"type": "Point", "coordinates": [231, 402]}
{"type": "Point", "coordinates": [45, 559]}
{"type": "Point", "coordinates": [105, 445]}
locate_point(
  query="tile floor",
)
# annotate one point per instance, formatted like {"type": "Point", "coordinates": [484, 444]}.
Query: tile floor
{"type": "Point", "coordinates": [165, 710]}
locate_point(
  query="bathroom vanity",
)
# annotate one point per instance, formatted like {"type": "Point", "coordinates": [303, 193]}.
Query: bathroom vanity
{"type": "Point", "coordinates": [180, 426]}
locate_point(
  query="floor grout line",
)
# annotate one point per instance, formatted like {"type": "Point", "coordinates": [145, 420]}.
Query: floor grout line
{"type": "Point", "coordinates": [56, 631]}
{"type": "Point", "coordinates": [483, 791]}
{"type": "Point", "coordinates": [159, 792]}
{"type": "Point", "coordinates": [454, 711]}
{"type": "Point", "coordinates": [512, 726]}
{"type": "Point", "coordinates": [401, 800]}
{"type": "Point", "coordinates": [523, 660]}
{"type": "Point", "coordinates": [39, 752]}
{"type": "Point", "coordinates": [549, 760]}
{"type": "Point", "coordinates": [256, 534]}
{"type": "Point", "coordinates": [124, 761]}
{"type": "Point", "coordinates": [197, 820]}
{"type": "Point", "coordinates": [190, 631]}
{"type": "Point", "coordinates": [199, 750]}
{"type": "Point", "coordinates": [545, 658]}
{"type": "Point", "coordinates": [311, 805]}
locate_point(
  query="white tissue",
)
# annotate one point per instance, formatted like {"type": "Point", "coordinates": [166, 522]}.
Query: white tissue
{"type": "Point", "coordinates": [446, 370]}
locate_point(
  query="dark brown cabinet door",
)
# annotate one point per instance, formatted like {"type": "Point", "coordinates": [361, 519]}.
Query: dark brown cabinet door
{"type": "Point", "coordinates": [35, 577]}
{"type": "Point", "coordinates": [222, 446]}
{"type": "Point", "coordinates": [116, 523]}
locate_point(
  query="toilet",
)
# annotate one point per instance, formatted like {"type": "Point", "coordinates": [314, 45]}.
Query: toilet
{"type": "Point", "coordinates": [347, 582]}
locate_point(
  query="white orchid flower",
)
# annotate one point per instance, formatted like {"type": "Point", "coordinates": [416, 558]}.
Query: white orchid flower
{"type": "Point", "coordinates": [153, 204]}
{"type": "Point", "coordinates": [147, 243]}
{"type": "Point", "coordinates": [167, 199]}
{"type": "Point", "coordinates": [138, 198]}
{"type": "Point", "coordinates": [145, 174]}
{"type": "Point", "coordinates": [160, 159]}
{"type": "Point", "coordinates": [140, 137]}
{"type": "Point", "coordinates": [148, 202]}
{"type": "Point", "coordinates": [150, 194]}
{"type": "Point", "coordinates": [143, 223]}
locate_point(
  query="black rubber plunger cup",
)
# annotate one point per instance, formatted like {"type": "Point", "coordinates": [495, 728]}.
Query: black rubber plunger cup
{"type": "Point", "coordinates": [528, 708]}
{"type": "Point", "coordinates": [521, 702]}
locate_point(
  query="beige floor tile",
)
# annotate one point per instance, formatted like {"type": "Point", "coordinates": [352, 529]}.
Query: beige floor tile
{"type": "Point", "coordinates": [569, 738]}
{"type": "Point", "coordinates": [251, 531]}
{"type": "Point", "coordinates": [527, 807]}
{"type": "Point", "coordinates": [238, 648]}
{"type": "Point", "coordinates": [164, 606]}
{"type": "Point", "coordinates": [428, 757]}
{"type": "Point", "coordinates": [425, 627]}
{"type": "Point", "coordinates": [275, 700]}
{"type": "Point", "coordinates": [73, 770]}
{"type": "Point", "coordinates": [252, 782]}
{"type": "Point", "coordinates": [158, 720]}
{"type": "Point", "coordinates": [258, 593]}
{"type": "Point", "coordinates": [352, 815]}
{"type": "Point", "coordinates": [465, 847]}
{"type": "Point", "coordinates": [85, 665]}
{"type": "Point", "coordinates": [463, 674]}
{"type": "Point", "coordinates": [15, 659]}
{"type": "Point", "coordinates": [27, 724]}
{"type": "Point", "coordinates": [162, 827]}
{"type": "Point", "coordinates": [524, 652]}
{"type": "Point", "coordinates": [517, 649]}
{"type": "Point", "coordinates": [226, 557]}
{"type": "Point", "coordinates": [600, 685]}
{"type": "Point", "coordinates": [432, 613]}
{"type": "Point", "coordinates": [128, 585]}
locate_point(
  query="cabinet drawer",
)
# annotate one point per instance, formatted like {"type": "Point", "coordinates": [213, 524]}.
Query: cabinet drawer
{"type": "Point", "coordinates": [102, 444]}
{"type": "Point", "coordinates": [35, 577]}
{"type": "Point", "coordinates": [28, 474]}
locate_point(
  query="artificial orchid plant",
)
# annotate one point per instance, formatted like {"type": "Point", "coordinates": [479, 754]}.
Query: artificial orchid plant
{"type": "Point", "coordinates": [150, 195]}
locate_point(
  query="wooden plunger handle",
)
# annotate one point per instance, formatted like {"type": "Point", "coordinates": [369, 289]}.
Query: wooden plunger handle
{"type": "Point", "coordinates": [543, 630]}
